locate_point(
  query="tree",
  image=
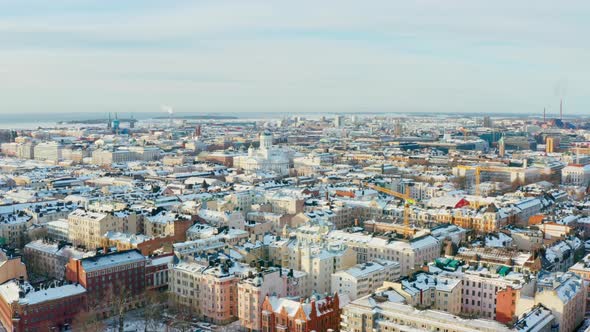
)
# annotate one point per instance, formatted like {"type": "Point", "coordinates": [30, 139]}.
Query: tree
{"type": "Point", "coordinates": [118, 297]}
{"type": "Point", "coordinates": [152, 312]}
{"type": "Point", "coordinates": [88, 320]}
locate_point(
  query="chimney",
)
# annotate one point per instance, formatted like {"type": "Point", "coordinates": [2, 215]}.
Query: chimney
{"type": "Point", "coordinates": [561, 109]}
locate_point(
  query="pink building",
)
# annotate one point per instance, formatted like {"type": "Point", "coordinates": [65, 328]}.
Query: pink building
{"type": "Point", "coordinates": [207, 292]}
{"type": "Point", "coordinates": [253, 289]}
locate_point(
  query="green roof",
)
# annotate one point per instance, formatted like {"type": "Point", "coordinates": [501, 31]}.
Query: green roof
{"type": "Point", "coordinates": [503, 270]}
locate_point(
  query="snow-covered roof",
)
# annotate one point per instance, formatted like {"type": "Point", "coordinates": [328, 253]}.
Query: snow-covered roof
{"type": "Point", "coordinates": [11, 289]}
{"type": "Point", "coordinates": [109, 260]}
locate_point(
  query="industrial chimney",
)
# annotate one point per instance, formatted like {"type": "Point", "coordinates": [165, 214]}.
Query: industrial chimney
{"type": "Point", "coordinates": [561, 109]}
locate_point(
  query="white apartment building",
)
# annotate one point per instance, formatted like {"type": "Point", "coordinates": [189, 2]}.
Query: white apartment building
{"type": "Point", "coordinates": [25, 150]}
{"type": "Point", "coordinates": [386, 310]}
{"type": "Point", "coordinates": [58, 230]}
{"type": "Point", "coordinates": [51, 151]}
{"type": "Point", "coordinates": [87, 228]}
{"type": "Point", "coordinates": [105, 157]}
{"type": "Point", "coordinates": [321, 263]}
{"type": "Point", "coordinates": [411, 254]}
{"type": "Point", "coordinates": [125, 155]}
{"type": "Point", "coordinates": [562, 293]}
{"type": "Point", "coordinates": [362, 279]}
{"type": "Point", "coordinates": [480, 288]}
{"type": "Point", "coordinates": [576, 175]}
{"type": "Point", "coordinates": [429, 291]}
{"type": "Point", "coordinates": [13, 228]}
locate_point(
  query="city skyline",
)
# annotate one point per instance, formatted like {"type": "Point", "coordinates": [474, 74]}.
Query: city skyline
{"type": "Point", "coordinates": [223, 56]}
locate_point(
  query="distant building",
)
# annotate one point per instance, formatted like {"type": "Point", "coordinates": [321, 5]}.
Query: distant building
{"type": "Point", "coordinates": [50, 151]}
{"type": "Point", "coordinates": [576, 175]}
{"type": "Point", "coordinates": [265, 159]}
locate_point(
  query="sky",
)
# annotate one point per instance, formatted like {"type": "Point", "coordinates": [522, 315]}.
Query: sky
{"type": "Point", "coordinates": [294, 56]}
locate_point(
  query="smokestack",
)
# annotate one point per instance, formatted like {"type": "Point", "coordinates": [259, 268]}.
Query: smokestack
{"type": "Point", "coordinates": [561, 109]}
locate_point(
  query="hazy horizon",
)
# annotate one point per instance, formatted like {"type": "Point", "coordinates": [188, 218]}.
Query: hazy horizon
{"type": "Point", "coordinates": [278, 56]}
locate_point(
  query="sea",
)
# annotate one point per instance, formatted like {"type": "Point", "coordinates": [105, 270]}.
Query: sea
{"type": "Point", "coordinates": [54, 119]}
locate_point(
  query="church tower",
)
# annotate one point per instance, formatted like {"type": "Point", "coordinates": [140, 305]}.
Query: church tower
{"type": "Point", "coordinates": [265, 140]}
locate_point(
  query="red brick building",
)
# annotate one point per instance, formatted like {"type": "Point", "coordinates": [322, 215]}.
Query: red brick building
{"type": "Point", "coordinates": [22, 308]}
{"type": "Point", "coordinates": [108, 277]}
{"type": "Point", "coordinates": [285, 315]}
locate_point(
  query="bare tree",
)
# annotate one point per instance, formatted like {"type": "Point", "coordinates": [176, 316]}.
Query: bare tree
{"type": "Point", "coordinates": [118, 296]}
{"type": "Point", "coordinates": [88, 320]}
{"type": "Point", "coordinates": [152, 312]}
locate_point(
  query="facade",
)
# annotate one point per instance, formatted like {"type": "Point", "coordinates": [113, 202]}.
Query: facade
{"type": "Point", "coordinates": [576, 175]}
{"type": "Point", "coordinates": [13, 228]}
{"type": "Point", "coordinates": [562, 293]}
{"type": "Point", "coordinates": [251, 294]}
{"type": "Point", "coordinates": [426, 291]}
{"type": "Point", "coordinates": [121, 156]}
{"type": "Point", "coordinates": [22, 308]}
{"type": "Point", "coordinates": [58, 230]}
{"type": "Point", "coordinates": [50, 151]}
{"type": "Point", "coordinates": [362, 279]}
{"type": "Point", "coordinates": [157, 270]}
{"type": "Point", "coordinates": [25, 150]}
{"type": "Point", "coordinates": [386, 310]}
{"type": "Point", "coordinates": [582, 268]}
{"type": "Point", "coordinates": [321, 263]}
{"type": "Point", "coordinates": [207, 293]}
{"type": "Point", "coordinates": [50, 258]}
{"type": "Point", "coordinates": [411, 254]}
{"type": "Point", "coordinates": [109, 277]}
{"type": "Point", "coordinates": [282, 314]}
{"type": "Point", "coordinates": [86, 228]}
{"type": "Point", "coordinates": [11, 268]}
{"type": "Point", "coordinates": [482, 288]}
{"type": "Point", "coordinates": [166, 223]}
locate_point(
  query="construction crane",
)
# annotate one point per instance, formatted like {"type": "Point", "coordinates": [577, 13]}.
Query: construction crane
{"type": "Point", "coordinates": [408, 231]}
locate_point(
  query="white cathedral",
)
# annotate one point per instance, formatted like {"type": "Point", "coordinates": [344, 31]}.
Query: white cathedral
{"type": "Point", "coordinates": [267, 158]}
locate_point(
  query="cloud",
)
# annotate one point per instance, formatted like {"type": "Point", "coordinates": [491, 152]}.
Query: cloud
{"type": "Point", "coordinates": [284, 55]}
